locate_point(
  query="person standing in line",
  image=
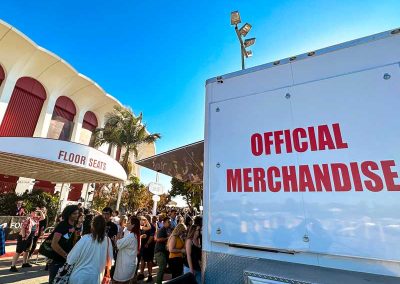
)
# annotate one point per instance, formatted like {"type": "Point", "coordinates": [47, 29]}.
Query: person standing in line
{"type": "Point", "coordinates": [174, 220]}
{"type": "Point", "coordinates": [89, 255]}
{"type": "Point", "coordinates": [147, 248]}
{"type": "Point", "coordinates": [176, 248]}
{"type": "Point", "coordinates": [193, 253]}
{"type": "Point", "coordinates": [161, 217]}
{"type": "Point", "coordinates": [29, 229]}
{"type": "Point", "coordinates": [79, 226]}
{"type": "Point", "coordinates": [111, 228]}
{"type": "Point", "coordinates": [2, 239]}
{"type": "Point", "coordinates": [63, 240]}
{"type": "Point", "coordinates": [81, 209]}
{"type": "Point", "coordinates": [128, 248]}
{"type": "Point", "coordinates": [87, 222]}
{"type": "Point", "coordinates": [115, 217]}
{"type": "Point", "coordinates": [122, 227]}
{"type": "Point", "coordinates": [42, 227]}
{"type": "Point", "coordinates": [154, 223]}
{"type": "Point", "coordinates": [20, 210]}
{"type": "Point", "coordinates": [160, 250]}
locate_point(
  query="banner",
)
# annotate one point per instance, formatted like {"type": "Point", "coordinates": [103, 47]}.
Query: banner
{"type": "Point", "coordinates": [13, 225]}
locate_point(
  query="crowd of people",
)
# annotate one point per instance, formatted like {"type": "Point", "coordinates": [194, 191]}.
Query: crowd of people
{"type": "Point", "coordinates": [93, 247]}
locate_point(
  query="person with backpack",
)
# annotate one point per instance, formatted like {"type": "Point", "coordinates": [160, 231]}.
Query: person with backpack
{"type": "Point", "coordinates": [63, 240]}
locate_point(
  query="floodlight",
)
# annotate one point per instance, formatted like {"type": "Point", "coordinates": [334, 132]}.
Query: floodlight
{"type": "Point", "coordinates": [235, 18]}
{"type": "Point", "coordinates": [249, 53]}
{"type": "Point", "coordinates": [245, 29]}
{"type": "Point", "coordinates": [249, 42]}
{"type": "Point", "coordinates": [241, 34]}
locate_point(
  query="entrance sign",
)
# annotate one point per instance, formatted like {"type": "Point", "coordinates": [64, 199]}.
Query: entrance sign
{"type": "Point", "coordinates": [57, 161]}
{"type": "Point", "coordinates": [156, 188]}
{"type": "Point", "coordinates": [314, 167]}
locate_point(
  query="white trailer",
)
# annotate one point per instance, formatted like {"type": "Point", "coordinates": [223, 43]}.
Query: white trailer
{"type": "Point", "coordinates": [301, 168]}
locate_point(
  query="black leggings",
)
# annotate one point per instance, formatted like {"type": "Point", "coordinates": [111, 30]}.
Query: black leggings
{"type": "Point", "coordinates": [34, 244]}
{"type": "Point", "coordinates": [176, 266]}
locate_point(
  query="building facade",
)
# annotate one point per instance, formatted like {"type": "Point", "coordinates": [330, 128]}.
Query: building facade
{"type": "Point", "coordinates": [41, 95]}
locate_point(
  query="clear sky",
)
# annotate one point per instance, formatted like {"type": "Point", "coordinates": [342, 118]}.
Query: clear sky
{"type": "Point", "coordinates": [155, 56]}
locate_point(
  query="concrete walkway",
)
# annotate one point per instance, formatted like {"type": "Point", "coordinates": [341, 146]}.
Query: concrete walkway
{"type": "Point", "coordinates": [35, 274]}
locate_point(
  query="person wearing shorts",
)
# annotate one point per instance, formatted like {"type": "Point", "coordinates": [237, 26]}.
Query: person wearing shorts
{"type": "Point", "coordinates": [29, 229]}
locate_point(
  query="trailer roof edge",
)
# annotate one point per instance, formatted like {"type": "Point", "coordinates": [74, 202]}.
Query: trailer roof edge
{"type": "Point", "coordinates": [325, 50]}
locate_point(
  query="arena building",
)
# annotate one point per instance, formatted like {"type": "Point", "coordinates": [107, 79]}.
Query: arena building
{"type": "Point", "coordinates": [48, 113]}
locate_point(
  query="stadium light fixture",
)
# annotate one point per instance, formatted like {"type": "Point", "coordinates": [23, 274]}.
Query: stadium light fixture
{"type": "Point", "coordinates": [249, 42]}
{"type": "Point", "coordinates": [245, 29]}
{"type": "Point", "coordinates": [241, 33]}
{"type": "Point", "coordinates": [235, 18]}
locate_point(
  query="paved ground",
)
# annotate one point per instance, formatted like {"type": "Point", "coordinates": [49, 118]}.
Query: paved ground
{"type": "Point", "coordinates": [34, 275]}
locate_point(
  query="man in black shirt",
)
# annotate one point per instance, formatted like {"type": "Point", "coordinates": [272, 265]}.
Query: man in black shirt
{"type": "Point", "coordinates": [160, 250]}
{"type": "Point", "coordinates": [111, 228]}
{"type": "Point", "coordinates": [87, 222]}
{"type": "Point", "coordinates": [63, 239]}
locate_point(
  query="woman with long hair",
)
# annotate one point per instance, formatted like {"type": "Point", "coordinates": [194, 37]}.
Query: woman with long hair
{"type": "Point", "coordinates": [123, 229]}
{"type": "Point", "coordinates": [147, 248]}
{"type": "Point", "coordinates": [193, 252]}
{"type": "Point", "coordinates": [128, 248]}
{"type": "Point", "coordinates": [176, 248]}
{"type": "Point", "coordinates": [89, 255]}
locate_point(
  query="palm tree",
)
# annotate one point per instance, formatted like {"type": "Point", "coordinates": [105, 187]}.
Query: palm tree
{"type": "Point", "coordinates": [123, 129]}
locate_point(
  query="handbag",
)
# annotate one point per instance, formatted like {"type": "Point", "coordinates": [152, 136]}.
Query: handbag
{"type": "Point", "coordinates": [63, 274]}
{"type": "Point", "coordinates": [46, 249]}
{"type": "Point", "coordinates": [107, 277]}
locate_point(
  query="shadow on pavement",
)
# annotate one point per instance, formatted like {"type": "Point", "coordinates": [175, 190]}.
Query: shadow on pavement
{"type": "Point", "coordinates": [35, 274]}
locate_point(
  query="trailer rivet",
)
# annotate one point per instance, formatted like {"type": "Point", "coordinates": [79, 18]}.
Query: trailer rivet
{"type": "Point", "coordinates": [287, 96]}
{"type": "Point", "coordinates": [218, 231]}
{"type": "Point", "coordinates": [218, 165]}
{"type": "Point", "coordinates": [386, 76]}
{"type": "Point", "coordinates": [217, 109]}
{"type": "Point", "coordinates": [306, 239]}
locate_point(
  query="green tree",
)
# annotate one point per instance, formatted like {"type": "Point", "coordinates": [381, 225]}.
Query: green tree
{"type": "Point", "coordinates": [191, 193]}
{"type": "Point", "coordinates": [36, 198]}
{"type": "Point", "coordinates": [123, 129]}
{"type": "Point", "coordinates": [104, 197]}
{"type": "Point", "coordinates": [164, 199]}
{"type": "Point", "coordinates": [136, 195]}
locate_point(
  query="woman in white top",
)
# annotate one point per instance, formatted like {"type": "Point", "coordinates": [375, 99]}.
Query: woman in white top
{"type": "Point", "coordinates": [89, 255]}
{"type": "Point", "coordinates": [128, 248]}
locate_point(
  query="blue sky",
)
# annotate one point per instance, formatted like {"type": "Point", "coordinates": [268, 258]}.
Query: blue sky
{"type": "Point", "coordinates": [155, 56]}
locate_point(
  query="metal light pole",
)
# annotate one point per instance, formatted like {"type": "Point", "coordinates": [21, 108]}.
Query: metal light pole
{"type": "Point", "coordinates": [241, 33]}
{"type": "Point", "coordinates": [120, 190]}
